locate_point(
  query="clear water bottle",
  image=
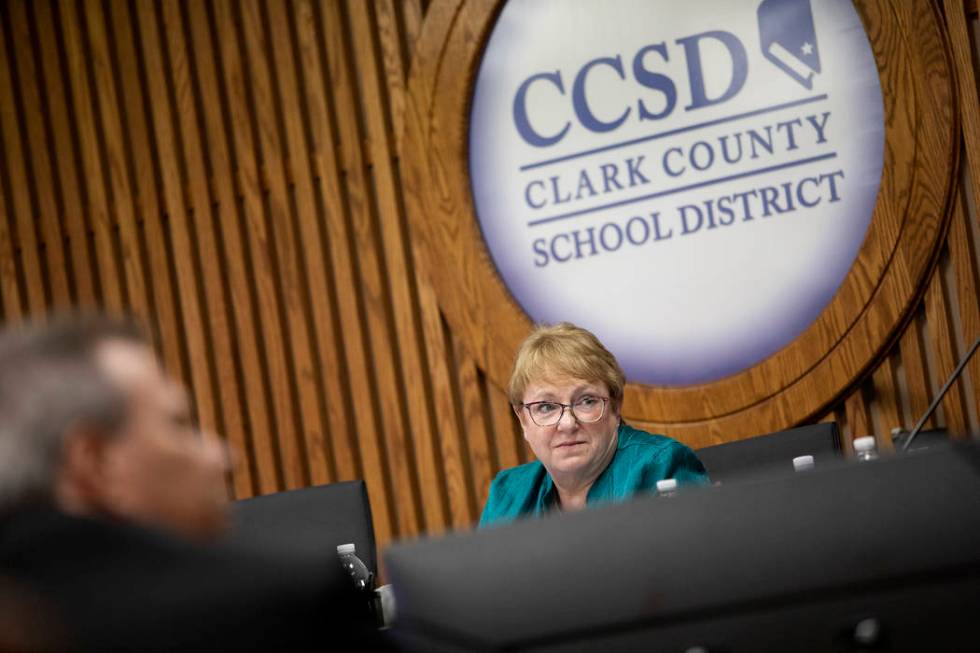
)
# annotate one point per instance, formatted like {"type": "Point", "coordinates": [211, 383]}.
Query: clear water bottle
{"type": "Point", "coordinates": [363, 578]}
{"type": "Point", "coordinates": [864, 448]}
{"type": "Point", "coordinates": [803, 463]}
{"type": "Point", "coordinates": [667, 487]}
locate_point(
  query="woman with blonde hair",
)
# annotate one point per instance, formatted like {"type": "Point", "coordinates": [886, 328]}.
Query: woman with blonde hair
{"type": "Point", "coordinates": [567, 392]}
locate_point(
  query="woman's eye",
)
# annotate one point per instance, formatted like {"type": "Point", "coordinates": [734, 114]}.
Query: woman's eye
{"type": "Point", "coordinates": [587, 401]}
{"type": "Point", "coordinates": [545, 408]}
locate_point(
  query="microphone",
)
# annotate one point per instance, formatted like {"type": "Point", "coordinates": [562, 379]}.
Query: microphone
{"type": "Point", "coordinates": [935, 402]}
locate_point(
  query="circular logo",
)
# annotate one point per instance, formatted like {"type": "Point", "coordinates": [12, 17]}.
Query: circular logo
{"type": "Point", "coordinates": [693, 185]}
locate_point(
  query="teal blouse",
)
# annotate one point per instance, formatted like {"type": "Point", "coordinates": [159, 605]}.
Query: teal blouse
{"type": "Point", "coordinates": [641, 459]}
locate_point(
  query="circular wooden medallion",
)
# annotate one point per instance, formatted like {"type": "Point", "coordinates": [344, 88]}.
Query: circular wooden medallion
{"type": "Point", "coordinates": [797, 382]}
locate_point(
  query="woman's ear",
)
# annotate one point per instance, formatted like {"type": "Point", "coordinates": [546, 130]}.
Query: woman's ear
{"type": "Point", "coordinates": [615, 406]}
{"type": "Point", "coordinates": [519, 411]}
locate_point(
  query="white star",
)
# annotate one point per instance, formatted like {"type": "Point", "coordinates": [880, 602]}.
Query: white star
{"type": "Point", "coordinates": [807, 48]}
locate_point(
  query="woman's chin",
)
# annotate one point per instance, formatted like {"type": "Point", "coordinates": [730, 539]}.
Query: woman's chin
{"type": "Point", "coordinates": [570, 459]}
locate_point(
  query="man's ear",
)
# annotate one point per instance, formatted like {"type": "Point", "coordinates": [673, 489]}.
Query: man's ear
{"type": "Point", "coordinates": [81, 481]}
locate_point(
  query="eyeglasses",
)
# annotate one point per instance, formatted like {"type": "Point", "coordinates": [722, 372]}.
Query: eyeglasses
{"type": "Point", "coordinates": [586, 409]}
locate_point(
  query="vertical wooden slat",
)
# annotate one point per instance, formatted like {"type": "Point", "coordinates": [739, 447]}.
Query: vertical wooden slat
{"type": "Point", "coordinates": [37, 149]}
{"type": "Point", "coordinates": [329, 75]}
{"type": "Point", "coordinates": [884, 407]}
{"type": "Point", "coordinates": [309, 252]}
{"type": "Point", "coordinates": [364, 235]}
{"type": "Point", "coordinates": [858, 415]}
{"type": "Point", "coordinates": [17, 184]}
{"type": "Point", "coordinates": [9, 288]}
{"type": "Point", "coordinates": [411, 21]}
{"type": "Point", "coordinates": [313, 164]}
{"type": "Point", "coordinates": [916, 373]}
{"type": "Point", "coordinates": [475, 430]}
{"type": "Point", "coordinates": [393, 67]}
{"type": "Point", "coordinates": [846, 435]}
{"type": "Point", "coordinates": [943, 352]}
{"type": "Point", "coordinates": [260, 448]}
{"type": "Point", "coordinates": [220, 349]}
{"type": "Point", "coordinates": [503, 420]}
{"type": "Point", "coordinates": [381, 92]}
{"type": "Point", "coordinates": [285, 250]}
{"type": "Point", "coordinates": [967, 282]}
{"type": "Point", "coordinates": [453, 472]}
{"type": "Point", "coordinates": [249, 183]}
{"type": "Point", "coordinates": [173, 192]}
{"type": "Point", "coordinates": [147, 203]}
{"type": "Point", "coordinates": [66, 182]}
{"type": "Point", "coordinates": [84, 122]}
{"type": "Point", "coordinates": [119, 192]}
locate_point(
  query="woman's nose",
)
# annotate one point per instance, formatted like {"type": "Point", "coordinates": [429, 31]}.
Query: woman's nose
{"type": "Point", "coordinates": [567, 419]}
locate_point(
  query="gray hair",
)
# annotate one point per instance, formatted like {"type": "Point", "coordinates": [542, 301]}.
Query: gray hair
{"type": "Point", "coordinates": [50, 383]}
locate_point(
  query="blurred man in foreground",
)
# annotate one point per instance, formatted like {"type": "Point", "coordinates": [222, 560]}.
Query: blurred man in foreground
{"type": "Point", "coordinates": [107, 491]}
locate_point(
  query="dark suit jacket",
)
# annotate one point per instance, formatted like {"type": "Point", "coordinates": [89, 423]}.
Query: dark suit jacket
{"type": "Point", "coordinates": [102, 586]}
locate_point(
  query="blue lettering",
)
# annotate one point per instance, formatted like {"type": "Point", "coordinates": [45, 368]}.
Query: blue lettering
{"type": "Point", "coordinates": [541, 258]}
{"type": "Point", "coordinates": [819, 127]}
{"type": "Point", "coordinates": [633, 167]}
{"type": "Point", "coordinates": [686, 228]}
{"type": "Point", "coordinates": [655, 81]}
{"type": "Point", "coordinates": [788, 125]}
{"type": "Point", "coordinates": [769, 201]}
{"type": "Point", "coordinates": [799, 192]}
{"type": "Point", "coordinates": [655, 220]}
{"type": "Point", "coordinates": [584, 183]}
{"type": "Point", "coordinates": [710, 157]}
{"type": "Point", "coordinates": [789, 196]}
{"type": "Point", "coordinates": [629, 230]}
{"type": "Point", "coordinates": [619, 237]}
{"type": "Point", "coordinates": [667, 167]}
{"type": "Point", "coordinates": [527, 194]}
{"type": "Point", "coordinates": [556, 191]}
{"type": "Point", "coordinates": [581, 106]}
{"type": "Point", "coordinates": [724, 207]}
{"type": "Point", "coordinates": [609, 173]}
{"type": "Point", "coordinates": [746, 209]}
{"type": "Point", "coordinates": [579, 242]}
{"type": "Point", "coordinates": [521, 120]}
{"type": "Point", "coordinates": [724, 148]}
{"type": "Point", "coordinates": [554, 252]}
{"type": "Point", "coordinates": [695, 73]}
{"type": "Point", "coordinates": [833, 184]}
{"type": "Point", "coordinates": [755, 137]}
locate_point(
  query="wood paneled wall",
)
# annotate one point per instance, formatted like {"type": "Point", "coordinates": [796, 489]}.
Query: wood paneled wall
{"type": "Point", "coordinates": [229, 172]}
{"type": "Point", "coordinates": [897, 391]}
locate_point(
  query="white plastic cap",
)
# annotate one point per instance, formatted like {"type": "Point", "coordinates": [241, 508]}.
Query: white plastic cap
{"type": "Point", "coordinates": [867, 443]}
{"type": "Point", "coordinates": [667, 485]}
{"type": "Point", "coordinates": [803, 462]}
{"type": "Point", "coordinates": [344, 549]}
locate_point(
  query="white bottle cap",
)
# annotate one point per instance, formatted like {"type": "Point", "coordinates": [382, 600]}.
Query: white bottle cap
{"type": "Point", "coordinates": [667, 485]}
{"type": "Point", "coordinates": [344, 549]}
{"type": "Point", "coordinates": [803, 462]}
{"type": "Point", "coordinates": [867, 443]}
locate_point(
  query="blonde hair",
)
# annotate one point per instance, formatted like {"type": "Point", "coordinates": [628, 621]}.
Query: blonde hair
{"type": "Point", "coordinates": [564, 349]}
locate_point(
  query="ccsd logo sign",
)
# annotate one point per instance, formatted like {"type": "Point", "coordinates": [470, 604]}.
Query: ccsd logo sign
{"type": "Point", "coordinates": [690, 180]}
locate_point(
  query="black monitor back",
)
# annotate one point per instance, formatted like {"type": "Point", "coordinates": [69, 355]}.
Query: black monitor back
{"type": "Point", "coordinates": [309, 521]}
{"type": "Point", "coordinates": [772, 454]}
{"type": "Point", "coordinates": [794, 563]}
